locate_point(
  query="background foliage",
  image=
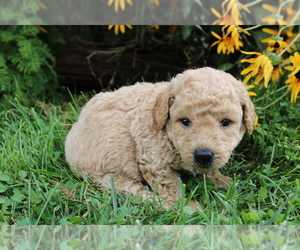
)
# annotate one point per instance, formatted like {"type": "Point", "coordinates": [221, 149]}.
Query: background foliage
{"type": "Point", "coordinates": [93, 12]}
{"type": "Point", "coordinates": [26, 63]}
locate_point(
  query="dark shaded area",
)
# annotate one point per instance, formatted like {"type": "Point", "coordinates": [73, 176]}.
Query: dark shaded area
{"type": "Point", "coordinates": [94, 58]}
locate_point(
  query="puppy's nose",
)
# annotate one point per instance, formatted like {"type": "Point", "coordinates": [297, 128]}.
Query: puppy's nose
{"type": "Point", "coordinates": [203, 158]}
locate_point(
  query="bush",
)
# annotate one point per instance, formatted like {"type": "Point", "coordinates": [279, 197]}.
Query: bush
{"type": "Point", "coordinates": [26, 63]}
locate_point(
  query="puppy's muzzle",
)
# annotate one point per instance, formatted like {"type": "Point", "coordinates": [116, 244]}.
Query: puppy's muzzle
{"type": "Point", "coordinates": [203, 158]}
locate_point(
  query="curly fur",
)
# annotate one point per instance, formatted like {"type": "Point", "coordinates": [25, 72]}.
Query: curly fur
{"type": "Point", "coordinates": [136, 134]}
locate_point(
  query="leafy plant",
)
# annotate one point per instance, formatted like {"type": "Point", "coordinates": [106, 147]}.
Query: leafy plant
{"type": "Point", "coordinates": [19, 12]}
{"type": "Point", "coordinates": [26, 63]}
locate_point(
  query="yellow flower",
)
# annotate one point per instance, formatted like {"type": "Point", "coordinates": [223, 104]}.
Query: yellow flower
{"type": "Point", "coordinates": [119, 27]}
{"type": "Point", "coordinates": [261, 67]}
{"type": "Point", "coordinates": [276, 46]}
{"type": "Point", "coordinates": [287, 36]}
{"type": "Point", "coordinates": [251, 93]}
{"type": "Point", "coordinates": [275, 17]}
{"type": "Point", "coordinates": [288, 11]}
{"type": "Point", "coordinates": [154, 2]}
{"type": "Point", "coordinates": [294, 77]}
{"type": "Point", "coordinates": [282, 15]}
{"type": "Point", "coordinates": [224, 19]}
{"type": "Point", "coordinates": [256, 124]}
{"type": "Point", "coordinates": [118, 3]}
{"type": "Point", "coordinates": [153, 27]}
{"type": "Point", "coordinates": [234, 31]}
{"type": "Point", "coordinates": [230, 13]}
{"type": "Point", "coordinates": [234, 7]}
{"type": "Point", "coordinates": [224, 44]}
{"type": "Point", "coordinates": [230, 40]}
{"type": "Point", "coordinates": [276, 73]}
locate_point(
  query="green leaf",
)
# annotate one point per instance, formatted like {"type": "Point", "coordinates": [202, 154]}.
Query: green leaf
{"type": "Point", "coordinates": [280, 218]}
{"type": "Point", "coordinates": [226, 66]}
{"type": "Point", "coordinates": [123, 210]}
{"type": "Point", "coordinates": [64, 246]}
{"type": "Point", "coordinates": [25, 48]}
{"type": "Point", "coordinates": [253, 215]}
{"type": "Point", "coordinates": [295, 201]}
{"type": "Point", "coordinates": [7, 36]}
{"type": "Point", "coordinates": [245, 217]}
{"type": "Point", "coordinates": [278, 118]}
{"type": "Point", "coordinates": [18, 196]}
{"type": "Point", "coordinates": [4, 200]}
{"type": "Point", "coordinates": [271, 212]}
{"type": "Point", "coordinates": [186, 31]}
{"type": "Point", "coordinates": [35, 198]}
{"type": "Point", "coordinates": [187, 210]}
{"type": "Point", "coordinates": [263, 193]}
{"type": "Point", "coordinates": [27, 221]}
{"type": "Point", "coordinates": [297, 182]}
{"type": "Point", "coordinates": [75, 244]}
{"type": "Point", "coordinates": [3, 188]}
{"type": "Point", "coordinates": [186, 8]}
{"type": "Point", "coordinates": [64, 222]}
{"type": "Point", "coordinates": [2, 61]}
{"type": "Point", "coordinates": [75, 220]}
{"type": "Point", "coordinates": [252, 238]}
{"type": "Point", "coordinates": [5, 177]}
{"type": "Point", "coordinates": [137, 200]}
{"type": "Point", "coordinates": [22, 174]}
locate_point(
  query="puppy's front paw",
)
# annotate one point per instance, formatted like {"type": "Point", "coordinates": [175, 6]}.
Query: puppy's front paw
{"type": "Point", "coordinates": [223, 181]}
{"type": "Point", "coordinates": [219, 179]}
{"type": "Point", "coordinates": [194, 206]}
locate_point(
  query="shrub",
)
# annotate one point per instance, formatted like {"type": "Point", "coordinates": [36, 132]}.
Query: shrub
{"type": "Point", "coordinates": [26, 63]}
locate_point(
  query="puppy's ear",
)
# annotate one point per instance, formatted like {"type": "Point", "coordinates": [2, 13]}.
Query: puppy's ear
{"type": "Point", "coordinates": [161, 109]}
{"type": "Point", "coordinates": [248, 114]}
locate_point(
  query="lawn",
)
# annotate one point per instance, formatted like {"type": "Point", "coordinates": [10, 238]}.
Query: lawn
{"type": "Point", "coordinates": [38, 188]}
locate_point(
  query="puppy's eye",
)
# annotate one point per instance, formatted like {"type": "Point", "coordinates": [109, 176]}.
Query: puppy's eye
{"type": "Point", "coordinates": [225, 123]}
{"type": "Point", "coordinates": [185, 122]}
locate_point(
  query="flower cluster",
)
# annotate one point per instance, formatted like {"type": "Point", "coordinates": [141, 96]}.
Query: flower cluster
{"type": "Point", "coordinates": [283, 15]}
{"type": "Point", "coordinates": [230, 39]}
{"type": "Point", "coordinates": [261, 67]}
{"type": "Point", "coordinates": [294, 77]}
{"type": "Point", "coordinates": [119, 3]}
{"type": "Point", "coordinates": [279, 58]}
{"type": "Point", "coordinates": [234, 12]}
{"type": "Point", "coordinates": [119, 27]}
{"type": "Point", "coordinates": [269, 66]}
{"type": "Point", "coordinates": [278, 42]}
{"type": "Point", "coordinates": [230, 13]}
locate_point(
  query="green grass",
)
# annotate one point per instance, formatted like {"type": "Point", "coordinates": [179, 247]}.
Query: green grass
{"type": "Point", "coordinates": [37, 187]}
{"type": "Point", "coordinates": [150, 237]}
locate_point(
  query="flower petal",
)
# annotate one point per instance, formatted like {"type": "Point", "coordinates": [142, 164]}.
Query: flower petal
{"type": "Point", "coordinates": [251, 53]}
{"type": "Point", "coordinates": [247, 70]}
{"type": "Point", "coordinates": [216, 35]}
{"type": "Point", "coordinates": [216, 13]}
{"type": "Point", "coordinates": [270, 8]}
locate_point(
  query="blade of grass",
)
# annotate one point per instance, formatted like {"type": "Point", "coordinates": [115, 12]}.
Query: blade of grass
{"type": "Point", "coordinates": [114, 195]}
